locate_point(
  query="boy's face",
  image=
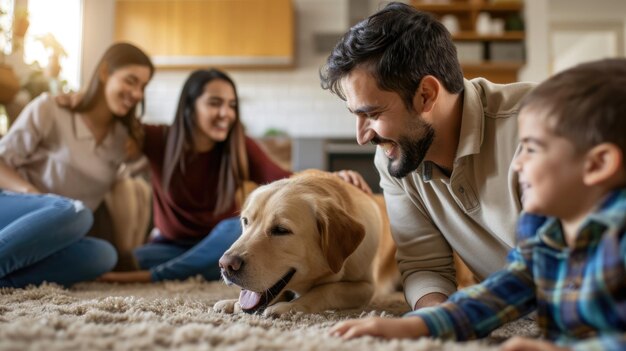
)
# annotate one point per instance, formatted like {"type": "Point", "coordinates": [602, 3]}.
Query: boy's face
{"type": "Point", "coordinates": [550, 170]}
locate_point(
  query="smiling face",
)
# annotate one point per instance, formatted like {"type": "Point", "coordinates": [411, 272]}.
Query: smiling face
{"type": "Point", "coordinates": [124, 88]}
{"type": "Point", "coordinates": [215, 112]}
{"type": "Point", "coordinates": [383, 119]}
{"type": "Point", "coordinates": [550, 170]}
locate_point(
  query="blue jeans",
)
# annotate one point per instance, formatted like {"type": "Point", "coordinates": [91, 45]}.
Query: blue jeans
{"type": "Point", "coordinates": [176, 260]}
{"type": "Point", "coordinates": [42, 239]}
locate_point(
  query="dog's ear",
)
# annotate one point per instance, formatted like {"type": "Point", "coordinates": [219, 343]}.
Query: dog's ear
{"type": "Point", "coordinates": [340, 234]}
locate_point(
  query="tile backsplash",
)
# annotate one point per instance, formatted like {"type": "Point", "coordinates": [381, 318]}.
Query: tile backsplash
{"type": "Point", "coordinates": [290, 100]}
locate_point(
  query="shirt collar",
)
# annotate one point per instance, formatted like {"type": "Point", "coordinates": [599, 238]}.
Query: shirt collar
{"type": "Point", "coordinates": [471, 135]}
{"type": "Point", "coordinates": [472, 120]}
{"type": "Point", "coordinates": [610, 215]}
{"type": "Point", "coordinates": [81, 129]}
{"type": "Point", "coordinates": [117, 132]}
{"type": "Point", "coordinates": [82, 132]}
{"type": "Point", "coordinates": [612, 211]}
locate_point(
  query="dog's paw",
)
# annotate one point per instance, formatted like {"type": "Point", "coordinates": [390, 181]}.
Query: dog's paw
{"type": "Point", "coordinates": [283, 308]}
{"type": "Point", "coordinates": [227, 306]}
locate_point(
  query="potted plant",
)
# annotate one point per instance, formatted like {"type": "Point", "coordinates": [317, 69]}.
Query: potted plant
{"type": "Point", "coordinates": [9, 83]}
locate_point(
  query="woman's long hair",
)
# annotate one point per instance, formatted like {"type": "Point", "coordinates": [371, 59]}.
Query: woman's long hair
{"type": "Point", "coordinates": [234, 162]}
{"type": "Point", "coordinates": [117, 56]}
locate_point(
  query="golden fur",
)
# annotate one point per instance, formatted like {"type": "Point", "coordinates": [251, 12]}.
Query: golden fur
{"type": "Point", "coordinates": [325, 229]}
{"type": "Point", "coordinates": [338, 241]}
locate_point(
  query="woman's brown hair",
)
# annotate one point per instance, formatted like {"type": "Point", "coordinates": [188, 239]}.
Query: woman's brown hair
{"type": "Point", "coordinates": [234, 163]}
{"type": "Point", "coordinates": [117, 56]}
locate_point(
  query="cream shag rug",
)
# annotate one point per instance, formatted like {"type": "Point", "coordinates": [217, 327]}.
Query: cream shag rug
{"type": "Point", "coordinates": [179, 315]}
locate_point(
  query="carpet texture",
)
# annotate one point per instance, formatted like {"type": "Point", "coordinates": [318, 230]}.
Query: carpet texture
{"type": "Point", "coordinates": [179, 315]}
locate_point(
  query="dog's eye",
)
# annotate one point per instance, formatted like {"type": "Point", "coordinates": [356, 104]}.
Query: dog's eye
{"type": "Point", "coordinates": [279, 230]}
{"type": "Point", "coordinates": [244, 221]}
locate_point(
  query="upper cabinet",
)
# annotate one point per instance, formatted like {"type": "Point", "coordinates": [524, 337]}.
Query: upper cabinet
{"type": "Point", "coordinates": [199, 33]}
{"type": "Point", "coordinates": [489, 35]}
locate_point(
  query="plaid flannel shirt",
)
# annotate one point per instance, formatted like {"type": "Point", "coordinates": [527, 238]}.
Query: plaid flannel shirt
{"type": "Point", "coordinates": [579, 293]}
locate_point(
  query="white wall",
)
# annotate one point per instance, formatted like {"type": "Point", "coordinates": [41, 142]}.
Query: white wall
{"type": "Point", "coordinates": [286, 99]}
{"type": "Point", "coordinates": [97, 34]}
{"type": "Point", "coordinates": [545, 56]}
{"type": "Point", "coordinates": [292, 99]}
{"type": "Point", "coordinates": [536, 18]}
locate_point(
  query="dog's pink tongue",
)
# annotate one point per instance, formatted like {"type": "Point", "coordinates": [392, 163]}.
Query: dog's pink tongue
{"type": "Point", "coordinates": [249, 299]}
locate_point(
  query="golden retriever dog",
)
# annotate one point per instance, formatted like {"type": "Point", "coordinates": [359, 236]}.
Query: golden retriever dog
{"type": "Point", "coordinates": [308, 244]}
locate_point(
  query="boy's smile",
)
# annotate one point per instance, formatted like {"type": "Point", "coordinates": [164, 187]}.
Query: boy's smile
{"type": "Point", "coordinates": [550, 170]}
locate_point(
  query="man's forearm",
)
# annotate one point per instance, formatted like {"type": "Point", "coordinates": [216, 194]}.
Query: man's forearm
{"type": "Point", "coordinates": [429, 300]}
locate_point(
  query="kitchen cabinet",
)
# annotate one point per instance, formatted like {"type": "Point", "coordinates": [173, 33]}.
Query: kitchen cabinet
{"type": "Point", "coordinates": [489, 36]}
{"type": "Point", "coordinates": [201, 33]}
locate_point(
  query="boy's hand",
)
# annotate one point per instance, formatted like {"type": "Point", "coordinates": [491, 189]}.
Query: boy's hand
{"type": "Point", "coordinates": [354, 178]}
{"type": "Point", "coordinates": [411, 327]}
{"type": "Point", "coordinates": [524, 344]}
{"type": "Point", "coordinates": [126, 277]}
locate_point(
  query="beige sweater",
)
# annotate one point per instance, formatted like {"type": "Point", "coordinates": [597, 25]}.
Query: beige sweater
{"type": "Point", "coordinates": [53, 149]}
{"type": "Point", "coordinates": [474, 211]}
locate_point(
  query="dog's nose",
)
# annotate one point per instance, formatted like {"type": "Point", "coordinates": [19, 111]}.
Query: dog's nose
{"type": "Point", "coordinates": [230, 263]}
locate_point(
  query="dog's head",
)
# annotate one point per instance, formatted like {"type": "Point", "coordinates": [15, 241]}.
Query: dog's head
{"type": "Point", "coordinates": [296, 232]}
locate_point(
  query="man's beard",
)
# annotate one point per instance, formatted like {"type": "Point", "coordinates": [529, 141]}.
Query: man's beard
{"type": "Point", "coordinates": [412, 153]}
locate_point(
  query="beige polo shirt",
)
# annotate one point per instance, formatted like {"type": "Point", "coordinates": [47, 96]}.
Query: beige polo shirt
{"type": "Point", "coordinates": [52, 148]}
{"type": "Point", "coordinates": [474, 211]}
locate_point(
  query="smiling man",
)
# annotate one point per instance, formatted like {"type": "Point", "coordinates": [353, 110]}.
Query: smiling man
{"type": "Point", "coordinates": [445, 146]}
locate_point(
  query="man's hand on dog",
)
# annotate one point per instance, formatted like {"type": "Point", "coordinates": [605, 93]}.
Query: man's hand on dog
{"type": "Point", "coordinates": [354, 178]}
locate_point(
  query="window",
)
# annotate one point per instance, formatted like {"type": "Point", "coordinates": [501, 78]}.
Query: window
{"type": "Point", "coordinates": [63, 20]}
{"type": "Point", "coordinates": [6, 11]}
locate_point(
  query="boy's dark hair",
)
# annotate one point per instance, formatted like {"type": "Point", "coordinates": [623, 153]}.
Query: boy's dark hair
{"type": "Point", "coordinates": [399, 45]}
{"type": "Point", "coordinates": [585, 104]}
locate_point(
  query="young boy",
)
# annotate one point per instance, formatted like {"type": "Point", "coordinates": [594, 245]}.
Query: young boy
{"type": "Point", "coordinates": [570, 265]}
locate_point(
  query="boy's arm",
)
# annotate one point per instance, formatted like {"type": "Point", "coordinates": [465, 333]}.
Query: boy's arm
{"type": "Point", "coordinates": [610, 342]}
{"type": "Point", "coordinates": [517, 343]}
{"type": "Point", "coordinates": [476, 311]}
{"type": "Point", "coordinates": [388, 328]}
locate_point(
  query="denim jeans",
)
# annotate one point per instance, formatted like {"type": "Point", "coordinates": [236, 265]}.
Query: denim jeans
{"type": "Point", "coordinates": [42, 239]}
{"type": "Point", "coordinates": [177, 260]}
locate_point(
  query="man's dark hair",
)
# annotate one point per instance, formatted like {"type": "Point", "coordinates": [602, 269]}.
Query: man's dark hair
{"type": "Point", "coordinates": [399, 45]}
{"type": "Point", "coordinates": [585, 104]}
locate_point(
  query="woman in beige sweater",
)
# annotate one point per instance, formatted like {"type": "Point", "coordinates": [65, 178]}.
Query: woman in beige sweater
{"type": "Point", "coordinates": [56, 164]}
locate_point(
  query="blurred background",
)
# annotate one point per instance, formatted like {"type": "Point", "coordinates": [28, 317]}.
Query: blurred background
{"type": "Point", "coordinates": [274, 49]}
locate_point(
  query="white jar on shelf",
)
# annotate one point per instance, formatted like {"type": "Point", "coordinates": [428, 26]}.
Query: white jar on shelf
{"type": "Point", "coordinates": [451, 23]}
{"type": "Point", "coordinates": [483, 23]}
{"type": "Point", "coordinates": [497, 26]}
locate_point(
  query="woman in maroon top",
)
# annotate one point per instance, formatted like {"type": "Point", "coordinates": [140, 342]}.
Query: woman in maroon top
{"type": "Point", "coordinates": [198, 164]}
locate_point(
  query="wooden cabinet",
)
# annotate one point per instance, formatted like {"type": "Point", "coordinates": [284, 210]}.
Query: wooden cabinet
{"type": "Point", "coordinates": [495, 52]}
{"type": "Point", "coordinates": [201, 33]}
